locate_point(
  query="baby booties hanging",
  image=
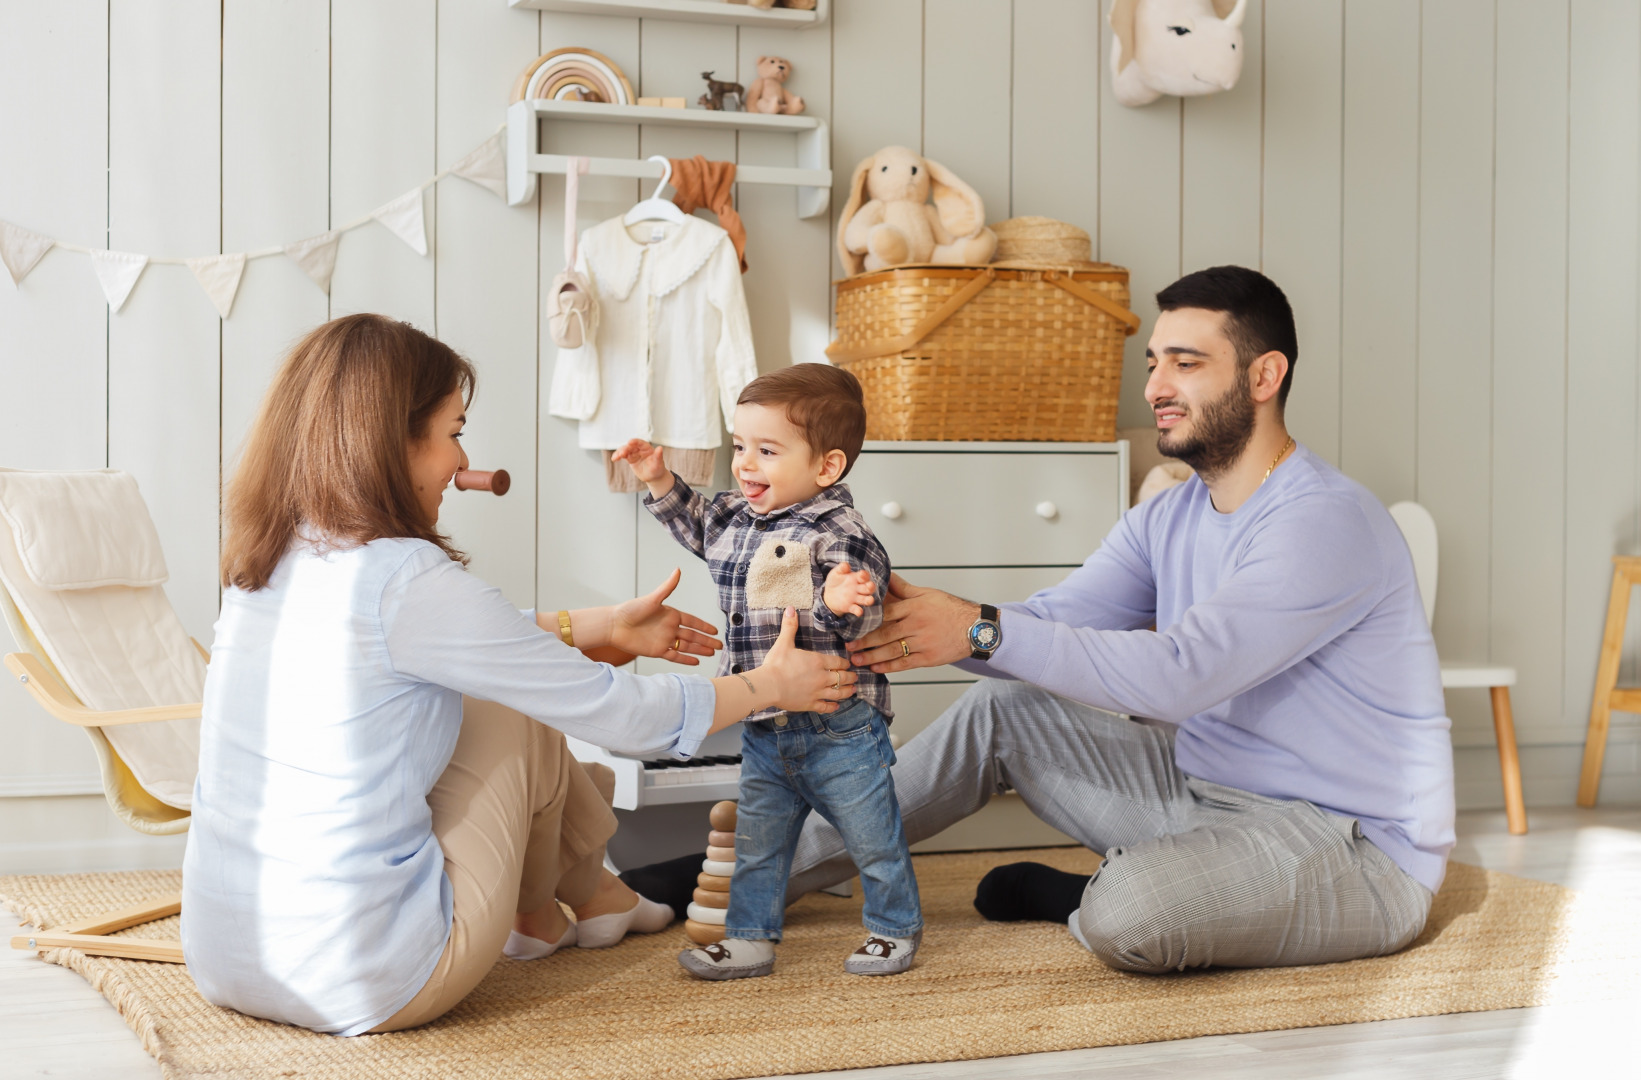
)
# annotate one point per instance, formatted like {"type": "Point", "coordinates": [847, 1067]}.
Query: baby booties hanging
{"type": "Point", "coordinates": [572, 317]}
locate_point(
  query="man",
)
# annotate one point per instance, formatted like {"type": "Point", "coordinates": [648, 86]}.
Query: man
{"type": "Point", "coordinates": [1289, 798]}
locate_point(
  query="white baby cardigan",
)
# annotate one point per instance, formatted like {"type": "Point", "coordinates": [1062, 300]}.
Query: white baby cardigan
{"type": "Point", "coordinates": [673, 346]}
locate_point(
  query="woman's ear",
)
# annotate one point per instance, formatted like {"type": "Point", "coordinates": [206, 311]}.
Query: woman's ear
{"type": "Point", "coordinates": [958, 204]}
{"type": "Point", "coordinates": [832, 464]}
{"type": "Point", "coordinates": [853, 263]}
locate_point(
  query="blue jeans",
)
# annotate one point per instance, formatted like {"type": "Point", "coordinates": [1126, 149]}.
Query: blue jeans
{"type": "Point", "coordinates": [836, 763]}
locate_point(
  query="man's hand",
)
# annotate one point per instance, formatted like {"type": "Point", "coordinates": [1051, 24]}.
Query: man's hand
{"type": "Point", "coordinates": [921, 628]}
{"type": "Point", "coordinates": [647, 627]}
{"type": "Point", "coordinates": [647, 464]}
{"type": "Point", "coordinates": [848, 592]}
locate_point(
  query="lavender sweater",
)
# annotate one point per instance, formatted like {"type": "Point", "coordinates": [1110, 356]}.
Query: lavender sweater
{"type": "Point", "coordinates": [1291, 648]}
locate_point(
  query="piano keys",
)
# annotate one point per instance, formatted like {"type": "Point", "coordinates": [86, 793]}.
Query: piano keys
{"type": "Point", "coordinates": [714, 773]}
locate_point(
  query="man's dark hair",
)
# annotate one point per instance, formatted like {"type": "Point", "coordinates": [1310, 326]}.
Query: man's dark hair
{"type": "Point", "coordinates": [1258, 318]}
{"type": "Point", "coordinates": [823, 402]}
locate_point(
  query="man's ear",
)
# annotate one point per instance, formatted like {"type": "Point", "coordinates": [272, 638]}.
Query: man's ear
{"type": "Point", "coordinates": [832, 464]}
{"type": "Point", "coordinates": [1265, 376]}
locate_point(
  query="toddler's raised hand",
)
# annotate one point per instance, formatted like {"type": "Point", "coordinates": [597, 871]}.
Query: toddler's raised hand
{"type": "Point", "coordinates": [848, 592]}
{"type": "Point", "coordinates": [645, 460]}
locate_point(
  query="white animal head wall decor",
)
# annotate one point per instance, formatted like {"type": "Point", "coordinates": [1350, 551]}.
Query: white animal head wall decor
{"type": "Point", "coordinates": [1179, 47]}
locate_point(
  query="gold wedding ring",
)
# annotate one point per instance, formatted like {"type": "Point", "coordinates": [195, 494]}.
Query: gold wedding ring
{"type": "Point", "coordinates": [905, 649]}
{"type": "Point", "coordinates": [837, 681]}
{"type": "Point", "coordinates": [675, 643]}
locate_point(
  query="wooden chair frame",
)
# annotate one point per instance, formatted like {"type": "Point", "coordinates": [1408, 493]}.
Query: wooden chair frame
{"type": "Point", "coordinates": [90, 936]}
{"type": "Point", "coordinates": [1608, 694]}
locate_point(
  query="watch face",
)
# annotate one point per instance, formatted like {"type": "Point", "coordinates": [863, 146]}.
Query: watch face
{"type": "Point", "coordinates": [984, 636]}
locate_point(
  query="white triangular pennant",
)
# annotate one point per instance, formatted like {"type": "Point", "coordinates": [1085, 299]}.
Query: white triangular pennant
{"type": "Point", "coordinates": [316, 256]}
{"type": "Point", "coordinates": [485, 166]}
{"type": "Point", "coordinates": [219, 276]}
{"type": "Point", "coordinates": [403, 217]}
{"type": "Point", "coordinates": [117, 272]}
{"type": "Point", "coordinates": [21, 249]}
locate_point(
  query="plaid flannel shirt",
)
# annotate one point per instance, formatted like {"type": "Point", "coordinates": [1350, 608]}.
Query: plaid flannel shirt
{"type": "Point", "coordinates": [727, 534]}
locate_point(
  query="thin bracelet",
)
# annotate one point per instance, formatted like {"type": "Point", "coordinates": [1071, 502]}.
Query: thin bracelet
{"type": "Point", "coordinates": [564, 629]}
{"type": "Point", "coordinates": [748, 682]}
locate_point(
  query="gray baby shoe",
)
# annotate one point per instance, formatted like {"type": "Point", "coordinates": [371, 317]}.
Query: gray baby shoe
{"type": "Point", "coordinates": [883, 955]}
{"type": "Point", "coordinates": [718, 960]}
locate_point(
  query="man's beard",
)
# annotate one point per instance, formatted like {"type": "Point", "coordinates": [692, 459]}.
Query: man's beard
{"type": "Point", "coordinates": [1220, 432]}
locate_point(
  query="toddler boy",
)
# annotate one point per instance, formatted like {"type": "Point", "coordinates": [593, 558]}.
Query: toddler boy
{"type": "Point", "coordinates": [790, 536]}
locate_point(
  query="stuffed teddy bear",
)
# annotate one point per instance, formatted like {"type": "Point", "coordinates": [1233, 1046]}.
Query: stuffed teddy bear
{"type": "Point", "coordinates": [767, 94]}
{"type": "Point", "coordinates": [888, 221]}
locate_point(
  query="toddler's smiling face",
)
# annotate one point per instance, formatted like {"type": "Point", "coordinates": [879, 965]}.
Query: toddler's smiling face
{"type": "Point", "coordinates": [773, 465]}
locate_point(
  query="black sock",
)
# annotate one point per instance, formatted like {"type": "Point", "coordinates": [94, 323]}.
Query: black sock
{"type": "Point", "coordinates": [671, 882]}
{"type": "Point", "coordinates": [1028, 890]}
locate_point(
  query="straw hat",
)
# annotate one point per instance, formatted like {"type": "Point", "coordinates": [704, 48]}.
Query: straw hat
{"type": "Point", "coordinates": [1041, 241]}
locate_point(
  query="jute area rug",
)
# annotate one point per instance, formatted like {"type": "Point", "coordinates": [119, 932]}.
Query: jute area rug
{"type": "Point", "coordinates": [978, 989]}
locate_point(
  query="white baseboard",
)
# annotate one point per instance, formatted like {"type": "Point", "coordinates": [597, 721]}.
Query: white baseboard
{"type": "Point", "coordinates": [36, 785]}
{"type": "Point", "coordinates": [87, 856]}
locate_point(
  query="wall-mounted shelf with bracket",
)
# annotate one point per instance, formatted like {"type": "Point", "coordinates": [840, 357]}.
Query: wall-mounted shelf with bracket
{"type": "Point", "coordinates": [707, 11]}
{"type": "Point", "coordinates": [812, 176]}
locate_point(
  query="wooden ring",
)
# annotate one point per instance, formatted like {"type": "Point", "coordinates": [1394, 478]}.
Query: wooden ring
{"type": "Point", "coordinates": [701, 933]}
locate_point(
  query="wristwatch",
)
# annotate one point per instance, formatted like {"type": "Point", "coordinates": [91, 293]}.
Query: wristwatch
{"type": "Point", "coordinates": [985, 635]}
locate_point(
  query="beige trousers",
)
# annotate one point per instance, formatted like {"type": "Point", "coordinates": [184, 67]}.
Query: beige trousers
{"type": "Point", "coordinates": [521, 822]}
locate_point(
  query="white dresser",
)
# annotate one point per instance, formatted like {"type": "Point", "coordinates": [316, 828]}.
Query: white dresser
{"type": "Point", "coordinates": [990, 522]}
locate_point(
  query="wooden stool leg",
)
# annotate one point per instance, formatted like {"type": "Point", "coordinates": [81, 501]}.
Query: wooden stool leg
{"type": "Point", "coordinates": [1606, 678]}
{"type": "Point", "coordinates": [1504, 727]}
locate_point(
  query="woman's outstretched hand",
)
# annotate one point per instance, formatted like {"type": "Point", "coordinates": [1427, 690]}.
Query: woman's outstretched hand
{"type": "Point", "coordinates": [804, 681]}
{"type": "Point", "coordinates": [645, 626]}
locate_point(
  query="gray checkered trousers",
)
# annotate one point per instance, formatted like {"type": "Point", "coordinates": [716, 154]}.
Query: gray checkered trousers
{"type": "Point", "coordinates": [1195, 873]}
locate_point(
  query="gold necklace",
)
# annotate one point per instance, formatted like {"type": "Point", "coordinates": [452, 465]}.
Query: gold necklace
{"type": "Point", "coordinates": [1277, 460]}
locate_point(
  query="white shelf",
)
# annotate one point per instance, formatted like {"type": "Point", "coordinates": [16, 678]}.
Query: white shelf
{"type": "Point", "coordinates": [702, 11]}
{"type": "Point", "coordinates": [597, 112]}
{"type": "Point", "coordinates": [812, 176]}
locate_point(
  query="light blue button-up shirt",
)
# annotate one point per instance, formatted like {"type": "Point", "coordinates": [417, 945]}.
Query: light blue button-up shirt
{"type": "Point", "coordinates": [313, 886]}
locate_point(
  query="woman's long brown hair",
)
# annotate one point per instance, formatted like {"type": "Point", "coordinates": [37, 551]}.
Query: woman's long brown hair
{"type": "Point", "coordinates": [330, 450]}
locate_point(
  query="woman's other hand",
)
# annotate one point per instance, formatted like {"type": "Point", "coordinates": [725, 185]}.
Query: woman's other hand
{"type": "Point", "coordinates": [803, 681]}
{"type": "Point", "coordinates": [645, 626]}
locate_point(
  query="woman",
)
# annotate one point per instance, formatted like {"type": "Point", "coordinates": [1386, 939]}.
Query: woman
{"type": "Point", "coordinates": [366, 839]}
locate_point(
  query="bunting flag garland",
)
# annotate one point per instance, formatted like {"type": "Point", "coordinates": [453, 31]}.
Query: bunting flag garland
{"type": "Point", "coordinates": [317, 256]}
{"type": "Point", "coordinates": [403, 217]}
{"type": "Point", "coordinates": [219, 276]}
{"type": "Point", "coordinates": [117, 273]}
{"type": "Point", "coordinates": [21, 249]}
{"type": "Point", "coordinates": [486, 166]}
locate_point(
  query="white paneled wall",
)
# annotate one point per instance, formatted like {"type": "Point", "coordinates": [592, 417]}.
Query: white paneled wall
{"type": "Point", "coordinates": [1445, 188]}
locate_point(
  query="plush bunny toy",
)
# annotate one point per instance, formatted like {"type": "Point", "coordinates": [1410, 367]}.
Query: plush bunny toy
{"type": "Point", "coordinates": [888, 221]}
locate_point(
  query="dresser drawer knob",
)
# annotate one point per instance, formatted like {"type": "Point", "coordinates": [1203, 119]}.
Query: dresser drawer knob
{"type": "Point", "coordinates": [1047, 511]}
{"type": "Point", "coordinates": [893, 511]}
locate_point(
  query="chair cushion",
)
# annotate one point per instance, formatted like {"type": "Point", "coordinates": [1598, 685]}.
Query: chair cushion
{"type": "Point", "coordinates": [116, 646]}
{"type": "Point", "coordinates": [81, 530]}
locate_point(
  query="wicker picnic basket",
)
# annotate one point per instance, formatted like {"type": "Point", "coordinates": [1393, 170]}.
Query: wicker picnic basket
{"type": "Point", "coordinates": [990, 353]}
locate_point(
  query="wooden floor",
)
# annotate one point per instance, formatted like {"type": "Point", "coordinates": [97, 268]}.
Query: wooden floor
{"type": "Point", "coordinates": [53, 1024]}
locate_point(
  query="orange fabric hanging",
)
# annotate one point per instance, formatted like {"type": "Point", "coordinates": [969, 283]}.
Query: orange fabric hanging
{"type": "Point", "coordinates": [707, 183]}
